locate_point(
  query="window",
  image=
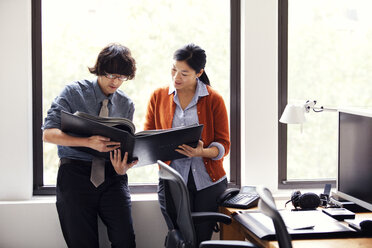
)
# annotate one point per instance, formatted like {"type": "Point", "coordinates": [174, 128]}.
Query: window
{"type": "Point", "coordinates": [63, 48]}
{"type": "Point", "coordinates": [325, 48]}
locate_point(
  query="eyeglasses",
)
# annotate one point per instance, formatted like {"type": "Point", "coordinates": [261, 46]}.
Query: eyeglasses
{"type": "Point", "coordinates": [120, 77]}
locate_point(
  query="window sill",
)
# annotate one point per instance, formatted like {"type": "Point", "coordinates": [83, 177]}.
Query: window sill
{"type": "Point", "coordinates": [52, 199]}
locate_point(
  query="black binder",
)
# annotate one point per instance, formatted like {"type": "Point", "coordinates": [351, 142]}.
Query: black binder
{"type": "Point", "coordinates": [147, 146]}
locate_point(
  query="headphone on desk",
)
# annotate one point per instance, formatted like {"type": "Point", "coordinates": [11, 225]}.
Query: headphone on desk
{"type": "Point", "coordinates": [306, 201]}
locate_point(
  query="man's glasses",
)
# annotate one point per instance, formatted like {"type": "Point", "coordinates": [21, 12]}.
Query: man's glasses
{"type": "Point", "coordinates": [120, 77]}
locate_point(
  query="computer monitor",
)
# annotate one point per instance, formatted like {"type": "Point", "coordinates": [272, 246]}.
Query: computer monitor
{"type": "Point", "coordinates": [355, 158]}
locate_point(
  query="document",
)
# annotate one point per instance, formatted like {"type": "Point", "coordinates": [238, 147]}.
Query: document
{"type": "Point", "coordinates": [146, 146]}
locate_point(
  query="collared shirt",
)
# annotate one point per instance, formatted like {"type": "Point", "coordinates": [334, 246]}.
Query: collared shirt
{"type": "Point", "coordinates": [85, 96]}
{"type": "Point", "coordinates": [189, 116]}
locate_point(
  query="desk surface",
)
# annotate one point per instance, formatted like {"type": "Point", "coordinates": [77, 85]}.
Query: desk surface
{"type": "Point", "coordinates": [235, 231]}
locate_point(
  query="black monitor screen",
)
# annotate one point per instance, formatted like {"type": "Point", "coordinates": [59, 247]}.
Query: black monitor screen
{"type": "Point", "coordinates": [355, 157]}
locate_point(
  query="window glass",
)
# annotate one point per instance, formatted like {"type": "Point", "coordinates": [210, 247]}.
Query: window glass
{"type": "Point", "coordinates": [329, 60]}
{"type": "Point", "coordinates": [73, 33]}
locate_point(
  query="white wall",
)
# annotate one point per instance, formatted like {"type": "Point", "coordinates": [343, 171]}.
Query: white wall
{"type": "Point", "coordinates": [260, 89]}
{"type": "Point", "coordinates": [34, 224]}
{"type": "Point", "coordinates": [15, 100]}
{"type": "Point", "coordinates": [29, 222]}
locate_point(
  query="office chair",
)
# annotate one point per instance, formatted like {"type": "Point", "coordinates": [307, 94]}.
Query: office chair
{"type": "Point", "coordinates": [178, 209]}
{"type": "Point", "coordinates": [267, 206]}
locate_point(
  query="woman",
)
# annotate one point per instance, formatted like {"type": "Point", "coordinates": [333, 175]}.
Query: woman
{"type": "Point", "coordinates": [87, 186]}
{"type": "Point", "coordinates": [189, 100]}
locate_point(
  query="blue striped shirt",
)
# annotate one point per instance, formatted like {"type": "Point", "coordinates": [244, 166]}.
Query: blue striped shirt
{"type": "Point", "coordinates": [189, 116]}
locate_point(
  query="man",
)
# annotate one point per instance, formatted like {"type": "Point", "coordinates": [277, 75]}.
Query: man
{"type": "Point", "coordinates": [81, 194]}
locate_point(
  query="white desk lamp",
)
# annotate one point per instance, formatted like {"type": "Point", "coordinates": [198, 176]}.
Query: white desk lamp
{"type": "Point", "coordinates": [295, 114]}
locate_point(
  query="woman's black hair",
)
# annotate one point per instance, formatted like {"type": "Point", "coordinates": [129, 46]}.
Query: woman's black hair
{"type": "Point", "coordinates": [114, 59]}
{"type": "Point", "coordinates": [194, 57]}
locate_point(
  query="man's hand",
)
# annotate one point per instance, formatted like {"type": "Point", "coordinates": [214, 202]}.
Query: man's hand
{"type": "Point", "coordinates": [102, 144]}
{"type": "Point", "coordinates": [191, 152]}
{"type": "Point", "coordinates": [121, 166]}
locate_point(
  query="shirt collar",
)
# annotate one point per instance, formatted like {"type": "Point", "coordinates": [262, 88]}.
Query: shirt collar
{"type": "Point", "coordinates": [99, 94]}
{"type": "Point", "coordinates": [202, 89]}
{"type": "Point", "coordinates": [171, 89]}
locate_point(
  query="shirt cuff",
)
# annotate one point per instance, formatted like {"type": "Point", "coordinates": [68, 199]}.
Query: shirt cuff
{"type": "Point", "coordinates": [221, 150]}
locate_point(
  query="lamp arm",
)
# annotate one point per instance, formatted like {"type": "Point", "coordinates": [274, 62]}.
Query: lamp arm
{"type": "Point", "coordinates": [311, 105]}
{"type": "Point", "coordinates": [321, 109]}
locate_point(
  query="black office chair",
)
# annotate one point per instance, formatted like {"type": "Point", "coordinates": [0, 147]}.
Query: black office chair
{"type": "Point", "coordinates": [178, 209]}
{"type": "Point", "coordinates": [267, 206]}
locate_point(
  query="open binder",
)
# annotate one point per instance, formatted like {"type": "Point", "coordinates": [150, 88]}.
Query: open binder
{"type": "Point", "coordinates": [147, 146]}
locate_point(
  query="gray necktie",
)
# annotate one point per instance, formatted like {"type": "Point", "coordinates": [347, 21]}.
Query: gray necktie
{"type": "Point", "coordinates": [97, 174]}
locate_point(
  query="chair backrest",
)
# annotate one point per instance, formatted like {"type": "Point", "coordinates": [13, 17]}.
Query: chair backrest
{"type": "Point", "coordinates": [267, 206]}
{"type": "Point", "coordinates": [177, 203]}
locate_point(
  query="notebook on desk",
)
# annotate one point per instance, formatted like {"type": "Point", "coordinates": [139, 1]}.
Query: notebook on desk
{"type": "Point", "coordinates": [300, 224]}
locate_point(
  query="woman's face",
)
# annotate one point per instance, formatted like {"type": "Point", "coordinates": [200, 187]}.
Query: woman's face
{"type": "Point", "coordinates": [183, 76]}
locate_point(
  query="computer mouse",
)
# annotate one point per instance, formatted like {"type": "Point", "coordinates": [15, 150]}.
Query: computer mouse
{"type": "Point", "coordinates": [366, 225]}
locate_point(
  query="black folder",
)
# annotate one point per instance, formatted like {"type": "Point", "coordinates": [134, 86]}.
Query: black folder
{"type": "Point", "coordinates": [300, 224]}
{"type": "Point", "coordinates": [147, 146]}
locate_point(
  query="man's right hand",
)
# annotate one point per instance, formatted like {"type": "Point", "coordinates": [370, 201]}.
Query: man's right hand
{"type": "Point", "coordinates": [102, 144]}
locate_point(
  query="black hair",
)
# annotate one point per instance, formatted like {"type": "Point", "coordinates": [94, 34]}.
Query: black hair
{"type": "Point", "coordinates": [114, 59]}
{"type": "Point", "coordinates": [195, 57]}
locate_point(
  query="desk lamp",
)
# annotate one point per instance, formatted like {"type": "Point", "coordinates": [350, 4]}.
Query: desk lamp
{"type": "Point", "coordinates": [295, 114]}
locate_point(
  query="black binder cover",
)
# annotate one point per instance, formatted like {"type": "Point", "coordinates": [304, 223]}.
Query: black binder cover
{"type": "Point", "coordinates": [147, 148]}
{"type": "Point", "coordinates": [300, 225]}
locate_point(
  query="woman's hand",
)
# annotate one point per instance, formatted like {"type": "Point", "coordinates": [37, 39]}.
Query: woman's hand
{"type": "Point", "coordinates": [121, 166]}
{"type": "Point", "coordinates": [102, 144]}
{"type": "Point", "coordinates": [191, 152]}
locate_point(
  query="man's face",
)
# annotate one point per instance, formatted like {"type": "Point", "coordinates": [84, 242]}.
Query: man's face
{"type": "Point", "coordinates": [109, 83]}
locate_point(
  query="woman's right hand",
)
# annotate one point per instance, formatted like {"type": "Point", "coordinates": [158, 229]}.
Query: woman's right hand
{"type": "Point", "coordinates": [102, 144]}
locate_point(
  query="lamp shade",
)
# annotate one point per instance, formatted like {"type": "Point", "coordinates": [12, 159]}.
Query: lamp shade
{"type": "Point", "coordinates": [293, 114]}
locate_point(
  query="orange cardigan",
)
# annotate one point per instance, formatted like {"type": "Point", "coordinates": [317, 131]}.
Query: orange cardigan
{"type": "Point", "coordinates": [211, 112]}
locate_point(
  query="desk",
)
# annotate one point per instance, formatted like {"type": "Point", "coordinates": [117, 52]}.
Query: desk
{"type": "Point", "coordinates": [235, 231]}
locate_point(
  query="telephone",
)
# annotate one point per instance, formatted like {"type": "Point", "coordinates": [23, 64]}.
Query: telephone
{"type": "Point", "coordinates": [246, 197]}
